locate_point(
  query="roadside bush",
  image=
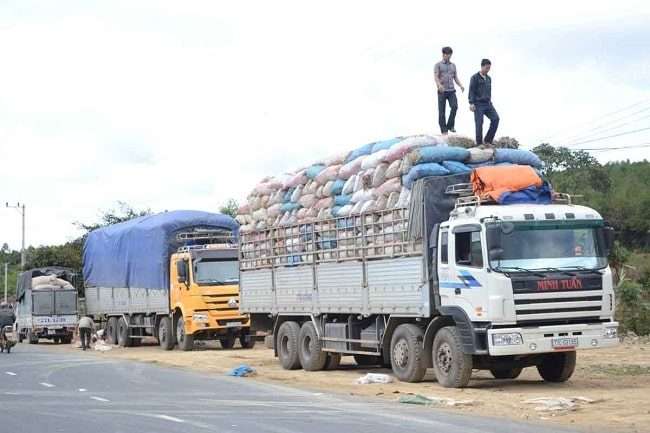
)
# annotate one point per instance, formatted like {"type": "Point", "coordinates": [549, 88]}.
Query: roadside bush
{"type": "Point", "coordinates": [633, 310]}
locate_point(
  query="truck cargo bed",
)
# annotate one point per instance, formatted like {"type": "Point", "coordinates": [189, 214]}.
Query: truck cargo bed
{"type": "Point", "coordinates": [123, 300]}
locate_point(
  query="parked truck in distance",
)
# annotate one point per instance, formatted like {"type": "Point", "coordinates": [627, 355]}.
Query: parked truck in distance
{"type": "Point", "coordinates": [172, 275]}
{"type": "Point", "coordinates": [46, 305]}
{"type": "Point", "coordinates": [450, 282]}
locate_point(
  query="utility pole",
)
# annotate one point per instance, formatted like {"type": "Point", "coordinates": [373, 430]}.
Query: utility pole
{"type": "Point", "coordinates": [23, 254]}
{"type": "Point", "coordinates": [6, 282]}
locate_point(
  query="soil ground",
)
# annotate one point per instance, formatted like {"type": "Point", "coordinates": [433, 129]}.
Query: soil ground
{"type": "Point", "coordinates": [617, 379]}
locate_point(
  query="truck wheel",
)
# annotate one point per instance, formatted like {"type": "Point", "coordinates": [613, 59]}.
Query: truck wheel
{"type": "Point", "coordinates": [66, 340]}
{"type": "Point", "coordinates": [312, 358]}
{"type": "Point", "coordinates": [165, 334]}
{"type": "Point", "coordinates": [287, 345]}
{"type": "Point", "coordinates": [246, 340]}
{"type": "Point", "coordinates": [228, 342]}
{"type": "Point", "coordinates": [123, 338]}
{"type": "Point", "coordinates": [505, 373]}
{"type": "Point", "coordinates": [56, 340]}
{"type": "Point", "coordinates": [111, 330]}
{"type": "Point", "coordinates": [333, 361]}
{"type": "Point", "coordinates": [33, 338]}
{"type": "Point", "coordinates": [406, 353]}
{"type": "Point", "coordinates": [366, 360]}
{"type": "Point", "coordinates": [185, 341]}
{"type": "Point", "coordinates": [21, 337]}
{"type": "Point", "coordinates": [452, 366]}
{"type": "Point", "coordinates": [557, 367]}
{"type": "Point", "coordinates": [269, 341]}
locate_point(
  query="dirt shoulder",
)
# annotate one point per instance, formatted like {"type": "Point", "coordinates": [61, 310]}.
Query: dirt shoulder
{"type": "Point", "coordinates": [617, 380]}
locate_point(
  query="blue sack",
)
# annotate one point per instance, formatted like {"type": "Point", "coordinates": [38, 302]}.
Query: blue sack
{"type": "Point", "coordinates": [314, 170]}
{"type": "Point", "coordinates": [342, 200]}
{"type": "Point", "coordinates": [381, 145]}
{"type": "Point", "coordinates": [533, 194]}
{"type": "Point", "coordinates": [288, 207]}
{"type": "Point", "coordinates": [306, 232]}
{"type": "Point", "coordinates": [441, 153]}
{"type": "Point", "coordinates": [242, 371]}
{"type": "Point", "coordinates": [286, 198]}
{"type": "Point", "coordinates": [422, 170]}
{"type": "Point", "coordinates": [517, 156]}
{"type": "Point", "coordinates": [363, 150]}
{"type": "Point", "coordinates": [456, 167]}
{"type": "Point", "coordinates": [337, 188]}
{"type": "Point", "coordinates": [335, 210]}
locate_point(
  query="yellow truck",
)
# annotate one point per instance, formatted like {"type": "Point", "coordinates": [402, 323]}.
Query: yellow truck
{"type": "Point", "coordinates": [172, 275]}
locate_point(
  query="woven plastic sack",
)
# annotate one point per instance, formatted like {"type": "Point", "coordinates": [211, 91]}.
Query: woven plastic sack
{"type": "Point", "coordinates": [260, 215]}
{"type": "Point", "coordinates": [354, 185]}
{"type": "Point", "coordinates": [327, 189]}
{"type": "Point", "coordinates": [240, 219]}
{"type": "Point", "coordinates": [288, 207]}
{"type": "Point", "coordinates": [456, 167]}
{"type": "Point", "coordinates": [392, 200]}
{"type": "Point", "coordinates": [360, 196]}
{"type": "Point", "coordinates": [244, 209]}
{"type": "Point", "coordinates": [255, 203]}
{"type": "Point", "coordinates": [328, 174]}
{"type": "Point", "coordinates": [335, 210]}
{"type": "Point", "coordinates": [379, 175]}
{"type": "Point", "coordinates": [299, 178]}
{"type": "Point", "coordinates": [324, 203]}
{"type": "Point", "coordinates": [363, 150]}
{"type": "Point", "coordinates": [307, 200]}
{"type": "Point", "coordinates": [337, 159]}
{"type": "Point", "coordinates": [337, 188]}
{"type": "Point", "coordinates": [517, 156]}
{"type": "Point", "coordinates": [385, 144]}
{"type": "Point", "coordinates": [368, 206]}
{"type": "Point", "coordinates": [325, 213]}
{"type": "Point", "coordinates": [344, 210]}
{"type": "Point", "coordinates": [404, 198]}
{"type": "Point", "coordinates": [374, 159]}
{"type": "Point", "coordinates": [394, 169]}
{"type": "Point", "coordinates": [422, 170]}
{"type": "Point", "coordinates": [391, 185]}
{"type": "Point", "coordinates": [319, 192]}
{"type": "Point", "coordinates": [310, 188]}
{"type": "Point", "coordinates": [287, 195]}
{"type": "Point", "coordinates": [477, 155]}
{"type": "Point", "coordinates": [342, 200]}
{"type": "Point", "coordinates": [277, 197]}
{"type": "Point", "coordinates": [351, 168]}
{"type": "Point", "coordinates": [380, 203]}
{"type": "Point", "coordinates": [314, 170]}
{"type": "Point", "coordinates": [438, 154]}
{"type": "Point", "coordinates": [274, 210]}
{"type": "Point", "coordinates": [356, 209]}
{"type": "Point", "coordinates": [297, 193]}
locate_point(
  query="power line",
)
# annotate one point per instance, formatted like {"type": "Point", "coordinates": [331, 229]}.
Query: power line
{"type": "Point", "coordinates": [595, 149]}
{"type": "Point", "coordinates": [570, 141]}
{"type": "Point", "coordinates": [612, 136]}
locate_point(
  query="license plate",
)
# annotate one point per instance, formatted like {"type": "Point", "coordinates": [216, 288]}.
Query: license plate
{"type": "Point", "coordinates": [233, 324]}
{"type": "Point", "coordinates": [560, 343]}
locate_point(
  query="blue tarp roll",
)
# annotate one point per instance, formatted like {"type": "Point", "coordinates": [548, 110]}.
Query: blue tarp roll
{"type": "Point", "coordinates": [441, 153]}
{"type": "Point", "coordinates": [136, 253]}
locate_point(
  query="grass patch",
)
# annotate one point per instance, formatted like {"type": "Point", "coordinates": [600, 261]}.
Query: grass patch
{"type": "Point", "coordinates": [620, 369]}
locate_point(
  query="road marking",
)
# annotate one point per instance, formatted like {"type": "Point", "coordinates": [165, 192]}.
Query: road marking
{"type": "Point", "coordinates": [11, 393]}
{"type": "Point", "coordinates": [10, 373]}
{"type": "Point", "coordinates": [82, 390]}
{"type": "Point", "coordinates": [49, 385]}
{"type": "Point", "coordinates": [99, 398]}
{"type": "Point", "coordinates": [170, 418]}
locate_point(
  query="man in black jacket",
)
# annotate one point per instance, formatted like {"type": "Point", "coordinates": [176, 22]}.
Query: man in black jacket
{"type": "Point", "coordinates": [480, 102]}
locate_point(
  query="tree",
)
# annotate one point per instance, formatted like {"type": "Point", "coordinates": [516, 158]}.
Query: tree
{"type": "Point", "coordinates": [230, 207]}
{"type": "Point", "coordinates": [107, 218]}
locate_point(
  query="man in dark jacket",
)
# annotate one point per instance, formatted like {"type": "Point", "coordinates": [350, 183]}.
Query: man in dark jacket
{"type": "Point", "coordinates": [480, 102]}
{"type": "Point", "coordinates": [7, 317]}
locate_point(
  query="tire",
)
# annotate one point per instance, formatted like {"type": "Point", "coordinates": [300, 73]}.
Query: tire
{"type": "Point", "coordinates": [452, 366]}
{"type": "Point", "coordinates": [111, 330]}
{"type": "Point", "coordinates": [310, 353]}
{"type": "Point", "coordinates": [185, 342]}
{"type": "Point", "coordinates": [366, 360]}
{"type": "Point", "coordinates": [557, 367]}
{"type": "Point", "coordinates": [21, 337]}
{"type": "Point", "coordinates": [228, 342]}
{"type": "Point", "coordinates": [56, 340]}
{"type": "Point", "coordinates": [66, 340]}
{"type": "Point", "coordinates": [406, 353]}
{"type": "Point", "coordinates": [506, 373]}
{"type": "Point", "coordinates": [123, 338]}
{"type": "Point", "coordinates": [136, 342]}
{"type": "Point", "coordinates": [165, 334]}
{"type": "Point", "coordinates": [9, 349]}
{"type": "Point", "coordinates": [33, 338]}
{"type": "Point", "coordinates": [246, 340]}
{"type": "Point", "coordinates": [269, 341]}
{"type": "Point", "coordinates": [333, 361]}
{"type": "Point", "coordinates": [287, 345]}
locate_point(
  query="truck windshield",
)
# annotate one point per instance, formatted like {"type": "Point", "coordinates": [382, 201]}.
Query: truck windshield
{"type": "Point", "coordinates": [216, 271]}
{"type": "Point", "coordinates": [66, 302]}
{"type": "Point", "coordinates": [43, 303]}
{"type": "Point", "coordinates": [540, 245]}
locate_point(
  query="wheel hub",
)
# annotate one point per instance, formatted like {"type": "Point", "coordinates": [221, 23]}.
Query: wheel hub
{"type": "Point", "coordinates": [401, 353]}
{"type": "Point", "coordinates": [444, 358]}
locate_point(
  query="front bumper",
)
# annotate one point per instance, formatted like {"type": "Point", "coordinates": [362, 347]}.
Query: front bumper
{"type": "Point", "coordinates": [539, 339]}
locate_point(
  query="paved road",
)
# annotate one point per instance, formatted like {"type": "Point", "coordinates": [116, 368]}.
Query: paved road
{"type": "Point", "coordinates": [42, 390]}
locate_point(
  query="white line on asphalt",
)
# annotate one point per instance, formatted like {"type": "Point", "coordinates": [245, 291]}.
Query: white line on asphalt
{"type": "Point", "coordinates": [11, 393]}
{"type": "Point", "coordinates": [82, 390]}
{"type": "Point", "coordinates": [170, 418]}
{"type": "Point", "coordinates": [99, 398]}
{"type": "Point", "coordinates": [10, 373]}
{"type": "Point", "coordinates": [49, 385]}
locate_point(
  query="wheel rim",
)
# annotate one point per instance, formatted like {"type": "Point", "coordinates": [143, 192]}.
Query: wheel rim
{"type": "Point", "coordinates": [307, 345]}
{"type": "Point", "coordinates": [444, 358]}
{"type": "Point", "coordinates": [284, 345]}
{"type": "Point", "coordinates": [401, 353]}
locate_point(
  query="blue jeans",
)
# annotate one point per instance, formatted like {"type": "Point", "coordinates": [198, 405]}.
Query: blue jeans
{"type": "Point", "coordinates": [443, 97]}
{"type": "Point", "coordinates": [485, 109]}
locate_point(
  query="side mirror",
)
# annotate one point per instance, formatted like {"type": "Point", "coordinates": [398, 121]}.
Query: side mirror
{"type": "Point", "coordinates": [495, 254]}
{"type": "Point", "coordinates": [181, 269]}
{"type": "Point", "coordinates": [608, 232]}
{"type": "Point", "coordinates": [493, 236]}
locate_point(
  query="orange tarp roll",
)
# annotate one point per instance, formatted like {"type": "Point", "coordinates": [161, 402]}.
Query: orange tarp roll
{"type": "Point", "coordinates": [493, 181]}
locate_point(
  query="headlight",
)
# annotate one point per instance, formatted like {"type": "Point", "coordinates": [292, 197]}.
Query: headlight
{"type": "Point", "coordinates": [610, 332]}
{"type": "Point", "coordinates": [200, 317]}
{"type": "Point", "coordinates": [510, 339]}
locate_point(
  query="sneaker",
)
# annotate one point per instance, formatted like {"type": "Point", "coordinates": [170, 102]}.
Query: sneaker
{"type": "Point", "coordinates": [452, 130]}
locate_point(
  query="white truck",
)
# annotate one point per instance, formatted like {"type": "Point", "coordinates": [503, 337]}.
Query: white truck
{"type": "Point", "coordinates": [450, 283]}
{"type": "Point", "coordinates": [46, 305]}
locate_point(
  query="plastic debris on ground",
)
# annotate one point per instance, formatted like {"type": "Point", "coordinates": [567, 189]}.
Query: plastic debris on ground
{"type": "Point", "coordinates": [242, 371]}
{"type": "Point", "coordinates": [102, 346]}
{"type": "Point", "coordinates": [435, 401]}
{"type": "Point", "coordinates": [374, 378]}
{"type": "Point", "coordinates": [558, 404]}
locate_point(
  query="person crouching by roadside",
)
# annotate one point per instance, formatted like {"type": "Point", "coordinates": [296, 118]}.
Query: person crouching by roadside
{"type": "Point", "coordinates": [85, 328]}
{"type": "Point", "coordinates": [480, 102]}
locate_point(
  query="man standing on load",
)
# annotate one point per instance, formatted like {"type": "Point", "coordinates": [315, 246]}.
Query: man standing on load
{"type": "Point", "coordinates": [480, 102]}
{"type": "Point", "coordinates": [445, 75]}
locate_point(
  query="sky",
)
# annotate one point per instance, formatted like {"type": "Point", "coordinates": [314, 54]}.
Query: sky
{"type": "Point", "coordinates": [182, 105]}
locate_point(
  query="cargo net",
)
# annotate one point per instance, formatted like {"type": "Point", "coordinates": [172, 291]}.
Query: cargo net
{"type": "Point", "coordinates": [368, 236]}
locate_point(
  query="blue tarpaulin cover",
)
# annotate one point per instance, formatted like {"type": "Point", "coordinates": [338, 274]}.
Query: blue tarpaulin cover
{"type": "Point", "coordinates": [136, 253]}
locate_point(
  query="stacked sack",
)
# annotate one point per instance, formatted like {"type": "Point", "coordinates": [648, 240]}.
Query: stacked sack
{"type": "Point", "coordinates": [375, 177]}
